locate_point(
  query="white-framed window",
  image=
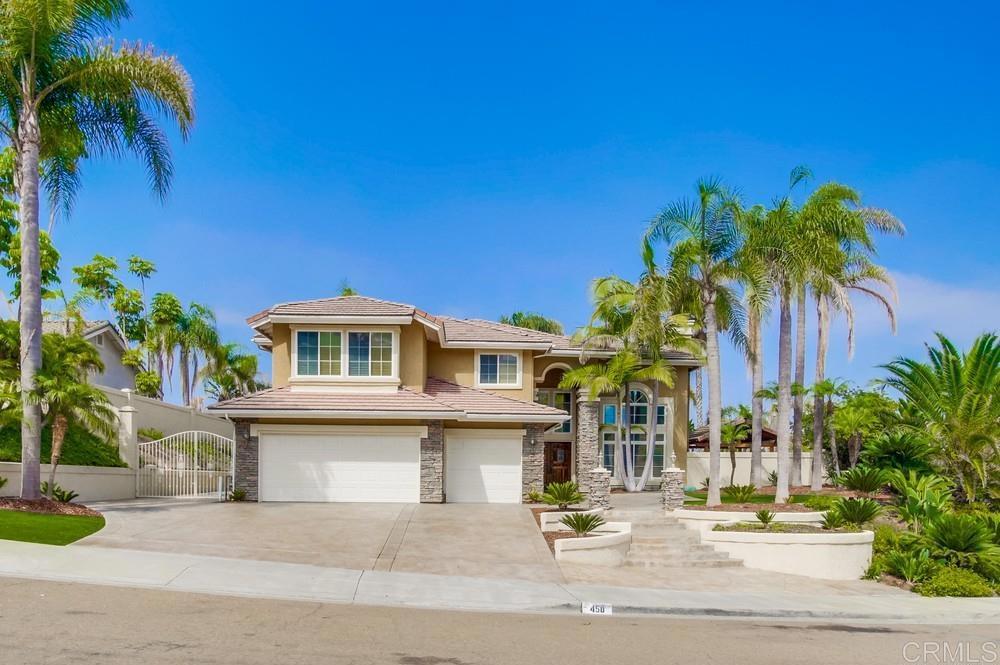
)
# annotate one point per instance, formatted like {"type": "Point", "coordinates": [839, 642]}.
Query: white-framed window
{"type": "Point", "coordinates": [609, 414]}
{"type": "Point", "coordinates": [639, 444]}
{"type": "Point", "coordinates": [498, 369]}
{"type": "Point", "coordinates": [99, 340]}
{"type": "Point", "coordinates": [608, 451]}
{"type": "Point", "coordinates": [345, 353]}
{"type": "Point", "coordinates": [560, 399]}
{"type": "Point", "coordinates": [638, 408]}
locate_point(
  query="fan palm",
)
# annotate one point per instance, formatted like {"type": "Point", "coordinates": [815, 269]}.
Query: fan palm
{"type": "Point", "coordinates": [67, 93]}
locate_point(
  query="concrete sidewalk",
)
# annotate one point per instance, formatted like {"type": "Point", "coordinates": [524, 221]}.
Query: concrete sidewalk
{"type": "Point", "coordinates": [288, 581]}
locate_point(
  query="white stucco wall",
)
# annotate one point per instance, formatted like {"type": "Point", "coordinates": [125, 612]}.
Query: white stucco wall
{"type": "Point", "coordinates": [697, 467]}
{"type": "Point", "coordinates": [829, 556]}
{"type": "Point", "coordinates": [92, 483]}
{"type": "Point", "coordinates": [169, 418]}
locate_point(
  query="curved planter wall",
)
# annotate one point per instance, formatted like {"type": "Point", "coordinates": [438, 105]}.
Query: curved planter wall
{"type": "Point", "coordinates": [829, 556]}
{"type": "Point", "coordinates": [705, 520]}
{"type": "Point", "coordinates": [609, 548]}
{"type": "Point", "coordinates": [551, 521]}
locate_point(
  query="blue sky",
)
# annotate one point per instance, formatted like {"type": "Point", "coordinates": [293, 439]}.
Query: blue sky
{"type": "Point", "coordinates": [479, 158]}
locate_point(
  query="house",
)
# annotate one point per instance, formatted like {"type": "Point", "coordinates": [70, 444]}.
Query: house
{"type": "Point", "coordinates": [110, 344]}
{"type": "Point", "coordinates": [380, 401]}
{"type": "Point", "coordinates": [698, 439]}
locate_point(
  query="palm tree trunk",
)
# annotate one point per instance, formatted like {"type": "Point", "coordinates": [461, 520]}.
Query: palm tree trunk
{"type": "Point", "coordinates": [714, 402]}
{"type": "Point", "coordinates": [833, 436]}
{"type": "Point", "coordinates": [798, 403]}
{"type": "Point", "coordinates": [184, 358]}
{"type": "Point", "coordinates": [784, 394]}
{"type": "Point", "coordinates": [822, 329]}
{"type": "Point", "coordinates": [31, 303]}
{"type": "Point", "coordinates": [698, 398]}
{"type": "Point", "coordinates": [647, 467]}
{"type": "Point", "coordinates": [59, 427]}
{"type": "Point", "coordinates": [757, 405]}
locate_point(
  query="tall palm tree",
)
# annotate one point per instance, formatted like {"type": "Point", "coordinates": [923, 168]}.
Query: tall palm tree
{"type": "Point", "coordinates": [533, 321]}
{"type": "Point", "coordinates": [66, 396]}
{"type": "Point", "coordinates": [823, 394]}
{"type": "Point", "coordinates": [66, 92]}
{"type": "Point", "coordinates": [230, 373]}
{"type": "Point", "coordinates": [704, 240]}
{"type": "Point", "coordinates": [197, 337]}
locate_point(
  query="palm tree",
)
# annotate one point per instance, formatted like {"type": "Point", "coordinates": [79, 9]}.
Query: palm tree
{"type": "Point", "coordinates": [826, 390]}
{"type": "Point", "coordinates": [952, 398]}
{"type": "Point", "coordinates": [66, 92]}
{"type": "Point", "coordinates": [704, 241]}
{"type": "Point", "coordinates": [734, 430]}
{"type": "Point", "coordinates": [533, 321]}
{"type": "Point", "coordinates": [66, 396]}
{"type": "Point", "coordinates": [230, 373]}
{"type": "Point", "coordinates": [196, 337]}
{"type": "Point", "coordinates": [163, 331]}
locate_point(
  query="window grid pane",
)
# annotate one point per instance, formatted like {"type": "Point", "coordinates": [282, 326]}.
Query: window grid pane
{"type": "Point", "coordinates": [381, 354]}
{"type": "Point", "coordinates": [358, 350]}
{"type": "Point", "coordinates": [661, 415]}
{"type": "Point", "coordinates": [308, 353]}
{"type": "Point", "coordinates": [488, 368]}
{"type": "Point", "coordinates": [608, 457]}
{"type": "Point", "coordinates": [610, 415]}
{"type": "Point", "coordinates": [329, 353]}
{"type": "Point", "coordinates": [564, 401]}
{"type": "Point", "coordinates": [507, 365]}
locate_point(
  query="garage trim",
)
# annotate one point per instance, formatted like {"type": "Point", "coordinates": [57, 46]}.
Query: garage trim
{"type": "Point", "coordinates": [277, 428]}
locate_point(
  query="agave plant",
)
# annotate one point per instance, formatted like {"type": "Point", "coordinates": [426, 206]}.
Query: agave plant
{"type": "Point", "coordinates": [739, 493]}
{"type": "Point", "coordinates": [562, 494]}
{"type": "Point", "coordinates": [857, 512]}
{"type": "Point", "coordinates": [582, 523]}
{"type": "Point", "coordinates": [863, 479]}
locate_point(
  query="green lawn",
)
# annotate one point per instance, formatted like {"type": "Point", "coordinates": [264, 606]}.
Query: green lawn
{"type": "Point", "coordinates": [46, 529]}
{"type": "Point", "coordinates": [80, 447]}
{"type": "Point", "coordinates": [698, 498]}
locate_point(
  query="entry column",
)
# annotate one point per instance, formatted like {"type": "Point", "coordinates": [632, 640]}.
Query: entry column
{"type": "Point", "coordinates": [588, 439]}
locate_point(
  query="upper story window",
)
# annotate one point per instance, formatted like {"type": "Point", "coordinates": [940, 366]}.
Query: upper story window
{"type": "Point", "coordinates": [639, 408]}
{"type": "Point", "coordinates": [560, 399]}
{"type": "Point", "coordinates": [336, 354]}
{"type": "Point", "coordinates": [499, 369]}
{"type": "Point", "coordinates": [99, 340]}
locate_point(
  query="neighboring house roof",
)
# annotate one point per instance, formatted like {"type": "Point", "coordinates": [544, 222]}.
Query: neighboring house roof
{"type": "Point", "coordinates": [450, 332]}
{"type": "Point", "coordinates": [699, 435]}
{"type": "Point", "coordinates": [90, 330]}
{"type": "Point", "coordinates": [441, 399]}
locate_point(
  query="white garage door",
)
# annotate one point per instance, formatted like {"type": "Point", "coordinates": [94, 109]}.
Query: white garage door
{"type": "Point", "coordinates": [345, 466]}
{"type": "Point", "coordinates": [483, 466]}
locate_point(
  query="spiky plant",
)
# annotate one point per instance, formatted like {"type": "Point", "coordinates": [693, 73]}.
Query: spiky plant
{"type": "Point", "coordinates": [582, 523]}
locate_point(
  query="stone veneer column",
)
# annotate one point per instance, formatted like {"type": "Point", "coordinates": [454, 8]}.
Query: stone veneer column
{"type": "Point", "coordinates": [600, 488]}
{"type": "Point", "coordinates": [432, 463]}
{"type": "Point", "coordinates": [533, 459]}
{"type": "Point", "coordinates": [672, 487]}
{"type": "Point", "coordinates": [245, 471]}
{"type": "Point", "coordinates": [588, 439]}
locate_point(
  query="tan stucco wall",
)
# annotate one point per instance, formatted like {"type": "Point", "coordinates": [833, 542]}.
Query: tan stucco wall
{"type": "Point", "coordinates": [459, 366]}
{"type": "Point", "coordinates": [281, 355]}
{"type": "Point", "coordinates": [413, 356]}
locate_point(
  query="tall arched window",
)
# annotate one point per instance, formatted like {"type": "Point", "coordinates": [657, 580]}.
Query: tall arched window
{"type": "Point", "coordinates": [638, 408]}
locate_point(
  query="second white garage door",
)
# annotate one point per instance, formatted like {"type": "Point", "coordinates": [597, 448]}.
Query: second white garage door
{"type": "Point", "coordinates": [483, 466]}
{"type": "Point", "coordinates": [340, 466]}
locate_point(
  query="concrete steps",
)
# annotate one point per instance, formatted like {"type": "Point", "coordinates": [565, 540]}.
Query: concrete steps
{"type": "Point", "coordinates": [660, 540]}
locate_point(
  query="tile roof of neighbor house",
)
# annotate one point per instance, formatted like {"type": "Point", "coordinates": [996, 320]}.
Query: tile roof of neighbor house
{"type": "Point", "coordinates": [60, 326]}
{"type": "Point", "coordinates": [445, 399]}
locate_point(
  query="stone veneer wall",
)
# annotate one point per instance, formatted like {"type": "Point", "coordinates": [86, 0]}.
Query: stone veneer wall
{"type": "Point", "coordinates": [672, 487]}
{"type": "Point", "coordinates": [533, 459]}
{"type": "Point", "coordinates": [247, 447]}
{"type": "Point", "coordinates": [432, 463]}
{"type": "Point", "coordinates": [588, 441]}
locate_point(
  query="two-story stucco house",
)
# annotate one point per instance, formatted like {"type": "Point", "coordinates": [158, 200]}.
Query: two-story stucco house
{"type": "Point", "coordinates": [110, 345]}
{"type": "Point", "coordinates": [380, 401]}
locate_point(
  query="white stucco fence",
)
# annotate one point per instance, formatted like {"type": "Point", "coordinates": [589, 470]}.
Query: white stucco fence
{"type": "Point", "coordinates": [831, 556]}
{"type": "Point", "coordinates": [168, 418]}
{"type": "Point", "coordinates": [92, 483]}
{"type": "Point", "coordinates": [697, 467]}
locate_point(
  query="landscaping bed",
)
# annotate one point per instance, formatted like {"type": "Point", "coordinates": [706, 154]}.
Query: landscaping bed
{"type": "Point", "coordinates": [552, 536]}
{"type": "Point", "coordinates": [781, 527]}
{"type": "Point", "coordinates": [47, 528]}
{"type": "Point", "coordinates": [80, 448]}
{"type": "Point", "coordinates": [753, 507]}
{"type": "Point", "coordinates": [45, 507]}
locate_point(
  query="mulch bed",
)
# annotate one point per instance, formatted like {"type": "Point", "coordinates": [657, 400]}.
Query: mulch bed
{"type": "Point", "coordinates": [46, 507]}
{"type": "Point", "coordinates": [828, 490]}
{"type": "Point", "coordinates": [552, 536]}
{"type": "Point", "coordinates": [550, 509]}
{"type": "Point", "coordinates": [898, 582]}
{"type": "Point", "coordinates": [754, 507]}
{"type": "Point", "coordinates": [780, 527]}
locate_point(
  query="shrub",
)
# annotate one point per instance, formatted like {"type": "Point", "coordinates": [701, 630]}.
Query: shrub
{"type": "Point", "coordinates": [582, 523]}
{"type": "Point", "coordinates": [918, 508]}
{"type": "Point", "coordinates": [900, 482]}
{"type": "Point", "coordinates": [905, 451]}
{"type": "Point", "coordinates": [863, 479]}
{"type": "Point", "coordinates": [832, 520]}
{"type": "Point", "coordinates": [705, 482]}
{"type": "Point", "coordinates": [562, 494]}
{"type": "Point", "coordinates": [951, 581]}
{"type": "Point", "coordinates": [772, 478]}
{"type": "Point", "coordinates": [765, 517]}
{"type": "Point", "coordinates": [238, 494]}
{"type": "Point", "coordinates": [58, 493]}
{"type": "Point", "coordinates": [739, 493]}
{"type": "Point", "coordinates": [887, 543]}
{"type": "Point", "coordinates": [150, 433]}
{"type": "Point", "coordinates": [962, 541]}
{"type": "Point", "coordinates": [534, 496]}
{"type": "Point", "coordinates": [819, 502]}
{"type": "Point", "coordinates": [990, 520]}
{"type": "Point", "coordinates": [910, 566]}
{"type": "Point", "coordinates": [857, 512]}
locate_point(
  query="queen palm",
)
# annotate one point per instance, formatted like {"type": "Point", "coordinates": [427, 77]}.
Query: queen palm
{"type": "Point", "coordinates": [197, 337]}
{"type": "Point", "coordinates": [229, 373]}
{"type": "Point", "coordinates": [533, 321]}
{"type": "Point", "coordinates": [66, 92]}
{"type": "Point", "coordinates": [704, 241]}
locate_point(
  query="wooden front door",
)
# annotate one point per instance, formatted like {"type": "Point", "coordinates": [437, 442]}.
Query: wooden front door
{"type": "Point", "coordinates": [557, 462]}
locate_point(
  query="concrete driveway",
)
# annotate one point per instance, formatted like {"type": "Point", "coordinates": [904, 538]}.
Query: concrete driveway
{"type": "Point", "coordinates": [444, 539]}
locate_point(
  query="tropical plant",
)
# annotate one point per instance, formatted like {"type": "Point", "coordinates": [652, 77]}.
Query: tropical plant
{"type": "Point", "coordinates": [68, 93]}
{"type": "Point", "coordinates": [899, 450]}
{"type": "Point", "coordinates": [582, 523]}
{"type": "Point", "coordinates": [824, 393]}
{"type": "Point", "coordinates": [150, 433]}
{"type": "Point", "coordinates": [951, 399]}
{"type": "Point", "coordinates": [772, 478]}
{"type": "Point", "coordinates": [951, 581]}
{"type": "Point", "coordinates": [963, 541]}
{"type": "Point", "coordinates": [196, 337]}
{"type": "Point", "coordinates": [911, 566]}
{"type": "Point", "coordinates": [704, 240]}
{"type": "Point", "coordinates": [534, 496]}
{"type": "Point", "coordinates": [857, 512]}
{"type": "Point", "coordinates": [833, 520]}
{"type": "Point", "coordinates": [733, 432]}
{"type": "Point", "coordinates": [739, 493]}
{"type": "Point", "coordinates": [863, 479]}
{"type": "Point", "coordinates": [562, 494]}
{"type": "Point", "coordinates": [765, 516]}
{"type": "Point", "coordinates": [3, 481]}
{"type": "Point", "coordinates": [920, 482]}
{"type": "Point", "coordinates": [533, 321]}
{"type": "Point", "coordinates": [819, 502]}
{"type": "Point", "coordinates": [57, 493]}
{"type": "Point", "coordinates": [231, 373]}
{"type": "Point", "coordinates": [920, 506]}
{"type": "Point", "coordinates": [238, 494]}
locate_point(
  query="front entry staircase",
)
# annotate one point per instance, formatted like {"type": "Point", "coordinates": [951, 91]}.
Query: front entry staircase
{"type": "Point", "coordinates": [660, 540]}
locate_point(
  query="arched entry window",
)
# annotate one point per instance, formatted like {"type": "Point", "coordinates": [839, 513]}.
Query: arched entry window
{"type": "Point", "coordinates": [638, 408]}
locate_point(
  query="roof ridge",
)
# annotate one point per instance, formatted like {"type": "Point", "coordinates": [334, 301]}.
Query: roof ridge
{"type": "Point", "coordinates": [330, 298]}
